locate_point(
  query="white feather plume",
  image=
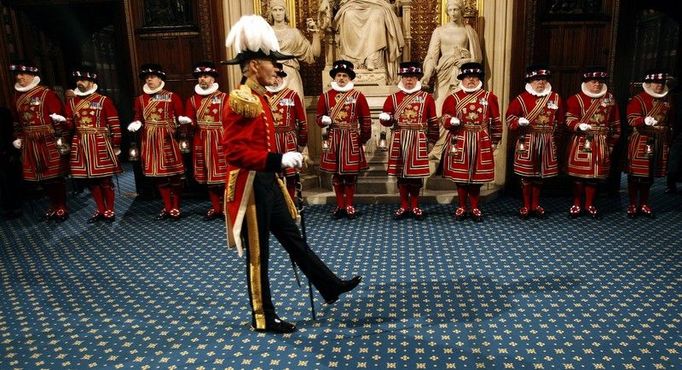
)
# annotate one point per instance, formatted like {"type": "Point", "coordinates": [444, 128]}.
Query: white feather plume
{"type": "Point", "coordinates": [252, 32]}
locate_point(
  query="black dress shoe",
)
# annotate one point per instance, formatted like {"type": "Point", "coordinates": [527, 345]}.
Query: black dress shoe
{"type": "Point", "coordinates": [345, 287]}
{"type": "Point", "coordinates": [277, 326]}
{"type": "Point", "coordinates": [162, 215]}
{"type": "Point", "coordinates": [60, 216]}
{"type": "Point", "coordinates": [97, 217]}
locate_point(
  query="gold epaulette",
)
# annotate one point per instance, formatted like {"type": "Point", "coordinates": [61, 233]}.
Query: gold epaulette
{"type": "Point", "coordinates": [245, 103]}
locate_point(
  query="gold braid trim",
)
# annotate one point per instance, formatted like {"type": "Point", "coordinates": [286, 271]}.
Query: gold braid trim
{"type": "Point", "coordinates": [245, 103]}
{"type": "Point", "coordinates": [287, 199]}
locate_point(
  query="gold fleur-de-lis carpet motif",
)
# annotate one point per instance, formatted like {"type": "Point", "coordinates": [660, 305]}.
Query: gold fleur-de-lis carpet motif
{"type": "Point", "coordinates": [437, 294]}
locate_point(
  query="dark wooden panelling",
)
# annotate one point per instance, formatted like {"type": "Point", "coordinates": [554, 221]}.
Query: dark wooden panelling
{"type": "Point", "coordinates": [178, 48]}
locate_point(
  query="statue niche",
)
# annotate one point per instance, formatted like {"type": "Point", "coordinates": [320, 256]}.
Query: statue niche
{"type": "Point", "coordinates": [368, 33]}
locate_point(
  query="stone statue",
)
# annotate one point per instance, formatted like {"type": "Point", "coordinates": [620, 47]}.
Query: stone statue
{"type": "Point", "coordinates": [451, 45]}
{"type": "Point", "coordinates": [369, 35]}
{"type": "Point", "coordinates": [292, 42]}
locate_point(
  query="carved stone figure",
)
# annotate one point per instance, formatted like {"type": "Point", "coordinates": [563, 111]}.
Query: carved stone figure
{"type": "Point", "coordinates": [369, 35]}
{"type": "Point", "coordinates": [292, 42]}
{"type": "Point", "coordinates": [451, 45]}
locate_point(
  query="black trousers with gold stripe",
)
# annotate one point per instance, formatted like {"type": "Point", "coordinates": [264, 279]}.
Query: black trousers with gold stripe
{"type": "Point", "coordinates": [274, 217]}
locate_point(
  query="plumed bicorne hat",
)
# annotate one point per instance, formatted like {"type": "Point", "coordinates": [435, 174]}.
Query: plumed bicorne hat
{"type": "Point", "coordinates": [537, 72]}
{"type": "Point", "coordinates": [598, 73]}
{"type": "Point", "coordinates": [24, 66]}
{"type": "Point", "coordinates": [410, 69]}
{"type": "Point", "coordinates": [252, 37]}
{"type": "Point", "coordinates": [84, 73]}
{"type": "Point", "coordinates": [471, 69]}
{"type": "Point", "coordinates": [280, 70]}
{"type": "Point", "coordinates": [204, 68]}
{"type": "Point", "coordinates": [152, 69]}
{"type": "Point", "coordinates": [342, 66]}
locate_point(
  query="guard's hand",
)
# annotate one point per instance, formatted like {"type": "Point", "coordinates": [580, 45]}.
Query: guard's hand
{"type": "Point", "coordinates": [134, 126]}
{"type": "Point", "coordinates": [17, 143]}
{"type": "Point", "coordinates": [383, 116]}
{"type": "Point", "coordinates": [454, 121]}
{"type": "Point", "coordinates": [184, 120]}
{"type": "Point", "coordinates": [292, 160]}
{"type": "Point", "coordinates": [650, 121]}
{"type": "Point", "coordinates": [57, 118]}
{"type": "Point", "coordinates": [523, 121]}
{"type": "Point", "coordinates": [584, 126]}
{"type": "Point", "coordinates": [326, 120]}
{"type": "Point", "coordinates": [117, 151]}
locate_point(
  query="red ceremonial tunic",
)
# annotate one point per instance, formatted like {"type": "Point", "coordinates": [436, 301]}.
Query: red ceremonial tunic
{"type": "Point", "coordinates": [351, 127]}
{"type": "Point", "coordinates": [40, 158]}
{"type": "Point", "coordinates": [471, 160]}
{"type": "Point", "coordinates": [97, 135]}
{"type": "Point", "coordinates": [291, 129]}
{"type": "Point", "coordinates": [415, 125]}
{"type": "Point", "coordinates": [657, 138]}
{"type": "Point", "coordinates": [249, 145]}
{"type": "Point", "coordinates": [161, 155]}
{"type": "Point", "coordinates": [602, 114]}
{"type": "Point", "coordinates": [208, 154]}
{"type": "Point", "coordinates": [545, 113]}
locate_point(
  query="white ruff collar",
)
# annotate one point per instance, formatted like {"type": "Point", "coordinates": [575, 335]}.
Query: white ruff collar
{"type": "Point", "coordinates": [416, 87]}
{"type": "Point", "coordinates": [647, 88]}
{"type": "Point", "coordinates": [545, 92]}
{"type": "Point", "coordinates": [349, 86]}
{"type": "Point", "coordinates": [148, 90]}
{"type": "Point", "coordinates": [593, 95]}
{"type": "Point", "coordinates": [86, 92]}
{"type": "Point", "coordinates": [278, 88]}
{"type": "Point", "coordinates": [209, 91]}
{"type": "Point", "coordinates": [19, 88]}
{"type": "Point", "coordinates": [473, 89]}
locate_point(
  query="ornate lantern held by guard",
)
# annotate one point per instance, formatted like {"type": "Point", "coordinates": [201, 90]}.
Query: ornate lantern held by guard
{"type": "Point", "coordinates": [383, 145]}
{"type": "Point", "coordinates": [184, 145]}
{"type": "Point", "coordinates": [62, 147]}
{"type": "Point", "coordinates": [521, 145]}
{"type": "Point", "coordinates": [133, 152]}
{"type": "Point", "coordinates": [325, 139]}
{"type": "Point", "coordinates": [587, 148]}
{"type": "Point", "coordinates": [650, 147]}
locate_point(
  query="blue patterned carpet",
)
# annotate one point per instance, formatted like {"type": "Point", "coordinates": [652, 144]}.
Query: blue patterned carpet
{"type": "Point", "coordinates": [437, 294]}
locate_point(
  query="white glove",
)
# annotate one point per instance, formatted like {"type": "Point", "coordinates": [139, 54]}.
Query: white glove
{"type": "Point", "coordinates": [292, 160]}
{"type": "Point", "coordinates": [523, 121]}
{"type": "Point", "coordinates": [134, 126]}
{"type": "Point", "coordinates": [117, 151]}
{"type": "Point", "coordinates": [326, 120]}
{"type": "Point", "coordinates": [184, 120]}
{"type": "Point", "coordinates": [650, 121]}
{"type": "Point", "coordinates": [57, 118]}
{"type": "Point", "coordinates": [17, 143]}
{"type": "Point", "coordinates": [584, 126]}
{"type": "Point", "coordinates": [454, 121]}
{"type": "Point", "coordinates": [383, 116]}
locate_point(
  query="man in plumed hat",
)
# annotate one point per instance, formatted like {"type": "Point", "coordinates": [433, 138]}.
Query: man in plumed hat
{"type": "Point", "coordinates": [291, 127]}
{"type": "Point", "coordinates": [650, 114]}
{"type": "Point", "coordinates": [593, 118]}
{"type": "Point", "coordinates": [536, 114]}
{"type": "Point", "coordinates": [411, 115]}
{"type": "Point", "coordinates": [96, 141]}
{"type": "Point", "coordinates": [158, 112]}
{"type": "Point", "coordinates": [343, 114]}
{"type": "Point", "coordinates": [41, 134]}
{"type": "Point", "coordinates": [205, 108]}
{"type": "Point", "coordinates": [471, 115]}
{"type": "Point", "coordinates": [257, 202]}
